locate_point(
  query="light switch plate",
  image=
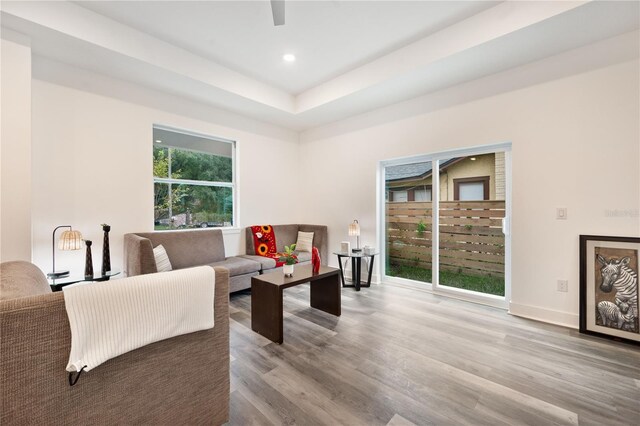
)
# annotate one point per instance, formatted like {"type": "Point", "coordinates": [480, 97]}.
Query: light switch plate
{"type": "Point", "coordinates": [561, 213]}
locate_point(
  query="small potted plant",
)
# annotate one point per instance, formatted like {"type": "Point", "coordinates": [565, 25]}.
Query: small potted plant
{"type": "Point", "coordinates": [289, 258]}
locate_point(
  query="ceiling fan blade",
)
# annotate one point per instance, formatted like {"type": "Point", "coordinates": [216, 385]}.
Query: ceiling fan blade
{"type": "Point", "coordinates": [277, 9]}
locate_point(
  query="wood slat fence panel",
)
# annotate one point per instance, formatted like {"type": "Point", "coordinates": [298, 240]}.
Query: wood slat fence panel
{"type": "Point", "coordinates": [454, 245]}
{"type": "Point", "coordinates": [467, 229]}
{"type": "Point", "coordinates": [446, 220]}
{"type": "Point", "coordinates": [471, 239]}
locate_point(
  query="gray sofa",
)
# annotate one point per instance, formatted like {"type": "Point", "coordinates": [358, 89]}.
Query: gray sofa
{"type": "Point", "coordinates": [206, 247]}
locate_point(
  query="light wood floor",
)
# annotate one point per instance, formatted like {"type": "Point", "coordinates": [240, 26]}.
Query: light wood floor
{"type": "Point", "coordinates": [399, 356]}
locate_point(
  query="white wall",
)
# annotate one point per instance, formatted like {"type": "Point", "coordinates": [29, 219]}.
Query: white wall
{"type": "Point", "coordinates": [575, 145]}
{"type": "Point", "coordinates": [92, 163]}
{"type": "Point", "coordinates": [15, 149]}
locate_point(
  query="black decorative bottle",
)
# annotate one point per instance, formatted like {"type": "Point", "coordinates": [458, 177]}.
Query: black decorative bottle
{"type": "Point", "coordinates": [106, 255]}
{"type": "Point", "coordinates": [88, 263]}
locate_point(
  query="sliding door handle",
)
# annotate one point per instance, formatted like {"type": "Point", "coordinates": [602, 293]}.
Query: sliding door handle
{"type": "Point", "coordinates": [505, 225]}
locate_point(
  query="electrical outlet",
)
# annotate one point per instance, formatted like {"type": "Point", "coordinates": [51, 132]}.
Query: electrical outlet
{"type": "Point", "coordinates": [563, 286]}
{"type": "Point", "coordinates": [561, 213]}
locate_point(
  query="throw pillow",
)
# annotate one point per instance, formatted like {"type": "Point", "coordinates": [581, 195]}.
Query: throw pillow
{"type": "Point", "coordinates": [305, 241]}
{"type": "Point", "coordinates": [162, 259]}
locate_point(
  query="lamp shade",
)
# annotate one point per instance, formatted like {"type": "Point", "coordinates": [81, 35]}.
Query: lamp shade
{"type": "Point", "coordinates": [354, 229]}
{"type": "Point", "coordinates": [70, 240]}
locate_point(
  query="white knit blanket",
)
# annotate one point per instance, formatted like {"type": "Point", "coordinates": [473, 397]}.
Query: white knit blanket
{"type": "Point", "coordinates": [111, 318]}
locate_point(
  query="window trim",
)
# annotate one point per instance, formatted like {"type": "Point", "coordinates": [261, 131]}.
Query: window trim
{"type": "Point", "coordinates": [234, 175]}
{"type": "Point", "coordinates": [484, 180]}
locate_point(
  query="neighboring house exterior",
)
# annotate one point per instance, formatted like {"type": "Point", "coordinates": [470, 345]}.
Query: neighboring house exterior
{"type": "Point", "coordinates": [478, 177]}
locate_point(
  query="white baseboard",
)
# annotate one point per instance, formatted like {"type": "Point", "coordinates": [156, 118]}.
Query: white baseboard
{"type": "Point", "coordinates": [564, 319]}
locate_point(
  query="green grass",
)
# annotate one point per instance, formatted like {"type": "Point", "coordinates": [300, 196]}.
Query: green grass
{"type": "Point", "coordinates": [488, 285]}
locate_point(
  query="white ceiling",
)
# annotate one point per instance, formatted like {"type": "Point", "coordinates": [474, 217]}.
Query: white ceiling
{"type": "Point", "coordinates": [328, 38]}
{"type": "Point", "coordinates": [353, 57]}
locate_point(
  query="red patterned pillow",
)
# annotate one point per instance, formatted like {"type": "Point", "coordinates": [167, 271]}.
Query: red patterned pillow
{"type": "Point", "coordinates": [264, 240]}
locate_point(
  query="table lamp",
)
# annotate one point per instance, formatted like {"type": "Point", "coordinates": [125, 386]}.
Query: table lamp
{"type": "Point", "coordinates": [354, 230]}
{"type": "Point", "coordinates": [69, 240]}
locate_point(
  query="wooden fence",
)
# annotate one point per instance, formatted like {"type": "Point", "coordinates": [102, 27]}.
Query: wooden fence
{"type": "Point", "coordinates": [471, 239]}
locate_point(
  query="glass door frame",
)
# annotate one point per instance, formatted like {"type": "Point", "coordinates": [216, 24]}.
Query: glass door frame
{"type": "Point", "coordinates": [435, 286]}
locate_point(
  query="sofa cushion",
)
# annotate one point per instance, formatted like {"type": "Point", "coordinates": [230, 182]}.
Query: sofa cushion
{"type": "Point", "coordinates": [189, 248]}
{"type": "Point", "coordinates": [21, 279]}
{"type": "Point", "coordinates": [238, 265]}
{"type": "Point", "coordinates": [285, 236]}
{"type": "Point", "coordinates": [304, 256]}
{"type": "Point", "coordinates": [266, 263]}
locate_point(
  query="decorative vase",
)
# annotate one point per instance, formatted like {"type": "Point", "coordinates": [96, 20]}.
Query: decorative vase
{"type": "Point", "coordinates": [88, 263]}
{"type": "Point", "coordinates": [106, 255]}
{"type": "Point", "coordinates": [315, 260]}
{"type": "Point", "coordinates": [288, 270]}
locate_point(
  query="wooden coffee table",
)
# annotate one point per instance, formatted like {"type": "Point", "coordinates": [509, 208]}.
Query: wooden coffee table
{"type": "Point", "coordinates": [266, 297]}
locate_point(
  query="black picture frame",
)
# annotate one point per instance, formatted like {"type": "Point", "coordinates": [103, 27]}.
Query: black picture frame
{"type": "Point", "coordinates": [592, 249]}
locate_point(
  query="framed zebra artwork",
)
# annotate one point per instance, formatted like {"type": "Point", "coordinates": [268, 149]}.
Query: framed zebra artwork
{"type": "Point", "coordinates": [609, 287]}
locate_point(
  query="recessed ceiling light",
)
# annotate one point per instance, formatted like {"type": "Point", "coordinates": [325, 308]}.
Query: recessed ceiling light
{"type": "Point", "coordinates": [158, 141]}
{"type": "Point", "coordinates": [289, 57]}
{"type": "Point", "coordinates": [472, 158]}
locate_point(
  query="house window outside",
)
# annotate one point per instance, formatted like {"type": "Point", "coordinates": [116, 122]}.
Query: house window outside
{"type": "Point", "coordinates": [194, 180]}
{"type": "Point", "coordinates": [400, 196]}
{"type": "Point", "coordinates": [471, 189]}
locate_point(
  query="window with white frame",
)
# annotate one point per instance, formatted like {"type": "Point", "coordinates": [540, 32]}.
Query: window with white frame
{"type": "Point", "coordinates": [400, 196]}
{"type": "Point", "coordinates": [193, 179]}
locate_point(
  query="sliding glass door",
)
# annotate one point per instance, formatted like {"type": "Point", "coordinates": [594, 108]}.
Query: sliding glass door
{"type": "Point", "coordinates": [446, 222]}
